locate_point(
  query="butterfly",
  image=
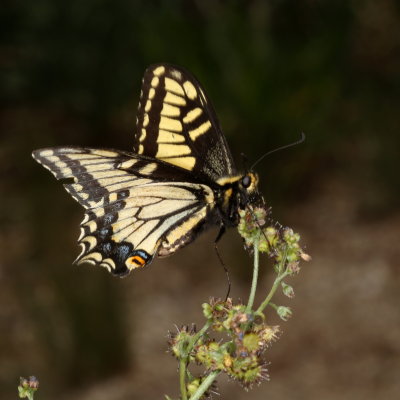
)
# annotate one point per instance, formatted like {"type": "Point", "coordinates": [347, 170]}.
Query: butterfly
{"type": "Point", "coordinates": [178, 180]}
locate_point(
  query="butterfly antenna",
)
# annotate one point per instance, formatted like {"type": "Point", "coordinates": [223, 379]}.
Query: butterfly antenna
{"type": "Point", "coordinates": [301, 140]}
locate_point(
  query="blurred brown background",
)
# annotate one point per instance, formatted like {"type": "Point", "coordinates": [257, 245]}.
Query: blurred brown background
{"type": "Point", "coordinates": [71, 74]}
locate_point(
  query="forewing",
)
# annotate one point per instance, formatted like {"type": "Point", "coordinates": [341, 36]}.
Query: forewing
{"type": "Point", "coordinates": [133, 207]}
{"type": "Point", "coordinates": [176, 123]}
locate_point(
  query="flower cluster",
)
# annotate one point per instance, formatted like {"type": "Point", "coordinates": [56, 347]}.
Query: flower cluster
{"type": "Point", "coordinates": [241, 356]}
{"type": "Point", "coordinates": [240, 353]}
{"type": "Point", "coordinates": [27, 387]}
{"type": "Point", "coordinates": [274, 239]}
{"type": "Point", "coordinates": [179, 343]}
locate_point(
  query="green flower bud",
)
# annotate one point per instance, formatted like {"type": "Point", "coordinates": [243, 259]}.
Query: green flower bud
{"type": "Point", "coordinates": [251, 342]}
{"type": "Point", "coordinates": [272, 235]}
{"type": "Point", "coordinates": [284, 312]}
{"type": "Point", "coordinates": [207, 310]}
{"type": "Point", "coordinates": [24, 382]}
{"type": "Point", "coordinates": [287, 290]}
{"type": "Point", "coordinates": [178, 342]}
{"type": "Point", "coordinates": [193, 386]}
{"type": "Point", "coordinates": [251, 376]}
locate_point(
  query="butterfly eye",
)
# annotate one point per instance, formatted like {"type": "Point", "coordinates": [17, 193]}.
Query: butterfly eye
{"type": "Point", "coordinates": [246, 181]}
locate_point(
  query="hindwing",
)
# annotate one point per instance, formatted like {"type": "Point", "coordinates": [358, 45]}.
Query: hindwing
{"type": "Point", "coordinates": [176, 123]}
{"type": "Point", "coordinates": [135, 207]}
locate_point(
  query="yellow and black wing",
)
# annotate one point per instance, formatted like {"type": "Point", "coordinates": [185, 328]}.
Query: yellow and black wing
{"type": "Point", "coordinates": [135, 207]}
{"type": "Point", "coordinates": [176, 123]}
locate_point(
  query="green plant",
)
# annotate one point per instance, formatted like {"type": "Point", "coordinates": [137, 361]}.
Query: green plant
{"type": "Point", "coordinates": [245, 331]}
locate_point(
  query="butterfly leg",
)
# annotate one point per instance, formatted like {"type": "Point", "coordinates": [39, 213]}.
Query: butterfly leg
{"type": "Point", "coordinates": [221, 232]}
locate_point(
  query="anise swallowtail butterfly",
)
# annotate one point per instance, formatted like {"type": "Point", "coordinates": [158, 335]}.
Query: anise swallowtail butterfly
{"type": "Point", "coordinates": [179, 179]}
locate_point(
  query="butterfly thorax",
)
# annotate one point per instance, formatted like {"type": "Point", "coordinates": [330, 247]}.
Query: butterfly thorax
{"type": "Point", "coordinates": [233, 194]}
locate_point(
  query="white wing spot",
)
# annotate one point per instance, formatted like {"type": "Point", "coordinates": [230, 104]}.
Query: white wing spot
{"type": "Point", "coordinates": [170, 111]}
{"type": "Point", "coordinates": [145, 120]}
{"type": "Point", "coordinates": [93, 258]}
{"type": "Point", "coordinates": [176, 74]}
{"type": "Point", "coordinates": [169, 137]}
{"type": "Point", "coordinates": [170, 124]}
{"type": "Point", "coordinates": [113, 197]}
{"type": "Point", "coordinates": [46, 153]}
{"type": "Point", "coordinates": [190, 90]}
{"type": "Point", "coordinates": [154, 82]}
{"type": "Point", "coordinates": [83, 248]}
{"type": "Point", "coordinates": [143, 135]}
{"type": "Point", "coordinates": [172, 150]}
{"type": "Point", "coordinates": [104, 153]}
{"type": "Point", "coordinates": [192, 115]}
{"type": "Point", "coordinates": [159, 70]}
{"type": "Point", "coordinates": [173, 86]}
{"type": "Point", "coordinates": [147, 106]}
{"type": "Point", "coordinates": [128, 163]}
{"type": "Point", "coordinates": [203, 128]}
{"type": "Point", "coordinates": [82, 234]}
{"type": "Point", "coordinates": [91, 241]}
{"type": "Point", "coordinates": [163, 208]}
{"type": "Point", "coordinates": [173, 99]}
{"type": "Point", "coordinates": [108, 263]}
{"type": "Point", "coordinates": [148, 169]}
{"type": "Point", "coordinates": [183, 162]}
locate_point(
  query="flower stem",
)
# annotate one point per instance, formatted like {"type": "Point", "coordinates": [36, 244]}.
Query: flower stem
{"type": "Point", "coordinates": [197, 336]}
{"type": "Point", "coordinates": [184, 359]}
{"type": "Point", "coordinates": [255, 275]}
{"type": "Point", "coordinates": [182, 378]}
{"type": "Point", "coordinates": [205, 385]}
{"type": "Point", "coordinates": [282, 273]}
{"type": "Point", "coordinates": [273, 305]}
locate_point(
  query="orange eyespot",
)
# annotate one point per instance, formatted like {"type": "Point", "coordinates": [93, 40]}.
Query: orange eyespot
{"type": "Point", "coordinates": [139, 258]}
{"type": "Point", "coordinates": [136, 261]}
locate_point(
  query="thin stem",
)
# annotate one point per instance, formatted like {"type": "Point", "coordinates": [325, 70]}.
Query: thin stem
{"type": "Point", "coordinates": [205, 385]}
{"type": "Point", "coordinates": [281, 275]}
{"type": "Point", "coordinates": [183, 360]}
{"type": "Point", "coordinates": [273, 305]}
{"type": "Point", "coordinates": [255, 275]}
{"type": "Point", "coordinates": [197, 336]}
{"type": "Point", "coordinates": [182, 378]}
{"type": "Point", "coordinates": [283, 262]}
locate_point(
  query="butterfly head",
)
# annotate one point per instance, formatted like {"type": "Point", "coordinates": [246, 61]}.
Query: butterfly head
{"type": "Point", "coordinates": [236, 192]}
{"type": "Point", "coordinates": [249, 182]}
